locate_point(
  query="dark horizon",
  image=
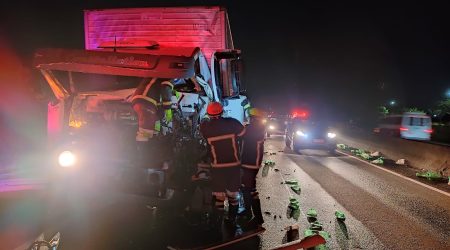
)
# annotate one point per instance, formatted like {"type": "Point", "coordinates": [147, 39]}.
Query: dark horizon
{"type": "Point", "coordinates": [347, 57]}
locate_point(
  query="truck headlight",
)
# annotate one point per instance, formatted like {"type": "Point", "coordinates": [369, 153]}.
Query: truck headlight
{"type": "Point", "coordinates": [67, 159]}
{"type": "Point", "coordinates": [331, 135]}
{"type": "Point", "coordinates": [300, 133]}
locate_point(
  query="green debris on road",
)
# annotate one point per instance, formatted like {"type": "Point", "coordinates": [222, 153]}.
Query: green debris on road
{"type": "Point", "coordinates": [339, 215]}
{"type": "Point", "coordinates": [342, 146]}
{"type": "Point", "coordinates": [294, 185]}
{"type": "Point", "coordinates": [309, 232]}
{"type": "Point", "coordinates": [312, 213]}
{"type": "Point", "coordinates": [294, 204]}
{"type": "Point", "coordinates": [269, 163]}
{"type": "Point", "coordinates": [291, 182]}
{"type": "Point", "coordinates": [378, 161]}
{"type": "Point", "coordinates": [430, 175]}
{"type": "Point", "coordinates": [296, 189]}
{"type": "Point", "coordinates": [316, 226]}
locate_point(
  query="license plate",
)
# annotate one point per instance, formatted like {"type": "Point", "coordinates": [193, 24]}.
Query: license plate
{"type": "Point", "coordinates": [318, 140]}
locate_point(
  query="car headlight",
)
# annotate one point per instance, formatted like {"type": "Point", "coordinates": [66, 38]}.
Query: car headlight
{"type": "Point", "coordinates": [331, 135]}
{"type": "Point", "coordinates": [300, 133]}
{"type": "Point", "coordinates": [67, 159]}
{"type": "Point", "coordinates": [271, 127]}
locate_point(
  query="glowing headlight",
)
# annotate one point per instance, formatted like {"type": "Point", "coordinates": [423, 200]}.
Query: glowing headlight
{"type": "Point", "coordinates": [67, 159]}
{"type": "Point", "coordinates": [300, 133]}
{"type": "Point", "coordinates": [331, 135]}
{"type": "Point", "coordinates": [271, 127]}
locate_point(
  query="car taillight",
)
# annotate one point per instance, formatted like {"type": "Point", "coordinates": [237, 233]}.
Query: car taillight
{"type": "Point", "coordinates": [428, 131]}
{"type": "Point", "coordinates": [403, 129]}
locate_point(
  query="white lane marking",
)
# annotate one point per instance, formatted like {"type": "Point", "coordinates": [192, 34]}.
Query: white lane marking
{"type": "Point", "coordinates": [397, 174]}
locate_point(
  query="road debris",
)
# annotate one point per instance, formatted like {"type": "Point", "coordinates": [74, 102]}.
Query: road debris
{"type": "Point", "coordinates": [430, 175]}
{"type": "Point", "coordinates": [276, 170]}
{"type": "Point", "coordinates": [339, 215]}
{"type": "Point", "coordinates": [292, 233]}
{"type": "Point", "coordinates": [316, 226]}
{"type": "Point", "coordinates": [401, 162]}
{"type": "Point", "coordinates": [375, 154]}
{"type": "Point", "coordinates": [294, 204]}
{"type": "Point", "coordinates": [296, 189]}
{"type": "Point", "coordinates": [342, 146]}
{"type": "Point", "coordinates": [312, 213]}
{"type": "Point", "coordinates": [291, 182]}
{"type": "Point", "coordinates": [267, 213]}
{"type": "Point", "coordinates": [269, 163]}
{"type": "Point", "coordinates": [378, 161]}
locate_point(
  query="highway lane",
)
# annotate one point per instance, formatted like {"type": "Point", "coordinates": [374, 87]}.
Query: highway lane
{"type": "Point", "coordinates": [383, 211]}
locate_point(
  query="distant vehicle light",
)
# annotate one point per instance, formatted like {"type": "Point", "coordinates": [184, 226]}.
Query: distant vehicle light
{"type": "Point", "coordinates": [271, 127]}
{"type": "Point", "coordinates": [331, 135]}
{"type": "Point", "coordinates": [264, 120]}
{"type": "Point", "coordinates": [428, 131]}
{"type": "Point", "coordinates": [304, 114]}
{"type": "Point", "coordinates": [67, 159]}
{"type": "Point", "coordinates": [403, 129]}
{"type": "Point", "coordinates": [300, 133]}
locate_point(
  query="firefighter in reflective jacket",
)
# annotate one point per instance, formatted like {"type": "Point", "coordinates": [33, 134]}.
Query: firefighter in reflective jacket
{"type": "Point", "coordinates": [252, 156]}
{"type": "Point", "coordinates": [150, 101]}
{"type": "Point", "coordinates": [222, 137]}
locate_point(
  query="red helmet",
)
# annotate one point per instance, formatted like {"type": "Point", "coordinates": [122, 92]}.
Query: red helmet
{"type": "Point", "coordinates": [214, 109]}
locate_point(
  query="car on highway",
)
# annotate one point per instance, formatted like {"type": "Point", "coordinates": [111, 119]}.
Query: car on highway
{"type": "Point", "coordinates": [275, 125]}
{"type": "Point", "coordinates": [310, 134]}
{"type": "Point", "coordinates": [409, 125]}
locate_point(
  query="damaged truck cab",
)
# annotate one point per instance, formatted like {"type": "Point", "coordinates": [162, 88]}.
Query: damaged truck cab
{"type": "Point", "coordinates": [92, 87]}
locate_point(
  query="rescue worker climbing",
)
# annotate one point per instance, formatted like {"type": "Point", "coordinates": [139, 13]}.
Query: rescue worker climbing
{"type": "Point", "coordinates": [252, 156]}
{"type": "Point", "coordinates": [150, 101]}
{"type": "Point", "coordinates": [222, 138]}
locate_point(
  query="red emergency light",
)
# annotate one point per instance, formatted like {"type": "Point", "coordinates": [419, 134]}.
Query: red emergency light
{"type": "Point", "coordinates": [304, 114]}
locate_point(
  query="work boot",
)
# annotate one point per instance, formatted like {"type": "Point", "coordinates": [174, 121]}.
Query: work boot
{"type": "Point", "coordinates": [232, 214]}
{"type": "Point", "coordinates": [256, 207]}
{"type": "Point", "coordinates": [215, 220]}
{"type": "Point", "coordinates": [247, 213]}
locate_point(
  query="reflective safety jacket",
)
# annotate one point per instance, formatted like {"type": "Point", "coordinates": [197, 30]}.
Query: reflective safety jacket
{"type": "Point", "coordinates": [222, 135]}
{"type": "Point", "coordinates": [154, 91]}
{"type": "Point", "coordinates": [253, 145]}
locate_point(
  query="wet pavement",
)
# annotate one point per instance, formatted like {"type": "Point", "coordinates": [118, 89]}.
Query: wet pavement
{"type": "Point", "coordinates": [382, 211]}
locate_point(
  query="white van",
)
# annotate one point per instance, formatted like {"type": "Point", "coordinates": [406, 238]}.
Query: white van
{"type": "Point", "coordinates": [409, 125]}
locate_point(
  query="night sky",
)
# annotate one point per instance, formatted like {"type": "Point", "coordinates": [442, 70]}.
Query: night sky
{"type": "Point", "coordinates": [349, 58]}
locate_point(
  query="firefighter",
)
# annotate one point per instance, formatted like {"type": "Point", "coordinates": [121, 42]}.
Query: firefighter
{"type": "Point", "coordinates": [251, 159]}
{"type": "Point", "coordinates": [151, 100]}
{"type": "Point", "coordinates": [222, 137]}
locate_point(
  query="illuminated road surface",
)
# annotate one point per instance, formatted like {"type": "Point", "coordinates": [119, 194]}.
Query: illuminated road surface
{"type": "Point", "coordinates": [383, 211]}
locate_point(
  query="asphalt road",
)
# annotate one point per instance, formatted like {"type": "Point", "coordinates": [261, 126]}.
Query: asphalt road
{"type": "Point", "coordinates": [383, 211]}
